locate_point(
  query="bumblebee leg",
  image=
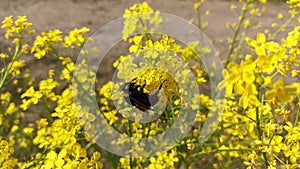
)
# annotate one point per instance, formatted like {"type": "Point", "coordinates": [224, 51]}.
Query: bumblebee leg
{"type": "Point", "coordinates": [160, 86]}
{"type": "Point", "coordinates": [142, 88]}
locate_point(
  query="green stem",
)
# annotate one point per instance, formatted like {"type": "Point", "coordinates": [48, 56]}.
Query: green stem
{"type": "Point", "coordinates": [282, 26]}
{"type": "Point", "coordinates": [236, 33]}
{"type": "Point", "coordinates": [297, 114]}
{"type": "Point", "coordinates": [217, 150]}
{"type": "Point", "coordinates": [298, 77]}
{"type": "Point", "coordinates": [77, 81]}
{"type": "Point", "coordinates": [130, 135]}
{"type": "Point", "coordinates": [242, 40]}
{"type": "Point", "coordinates": [223, 129]}
{"type": "Point", "coordinates": [260, 136]}
{"type": "Point", "coordinates": [15, 57]}
{"type": "Point", "coordinates": [149, 129]}
{"type": "Point", "coordinates": [199, 25]}
{"type": "Point", "coordinates": [75, 78]}
{"type": "Point", "coordinates": [48, 114]}
{"type": "Point", "coordinates": [199, 22]}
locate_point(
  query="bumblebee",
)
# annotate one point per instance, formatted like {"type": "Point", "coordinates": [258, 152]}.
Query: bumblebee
{"type": "Point", "coordinates": [134, 95]}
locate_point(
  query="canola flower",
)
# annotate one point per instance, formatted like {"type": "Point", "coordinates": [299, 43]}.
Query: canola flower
{"type": "Point", "coordinates": [259, 127]}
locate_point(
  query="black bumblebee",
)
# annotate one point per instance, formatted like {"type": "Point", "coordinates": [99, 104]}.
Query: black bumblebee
{"type": "Point", "coordinates": [134, 95]}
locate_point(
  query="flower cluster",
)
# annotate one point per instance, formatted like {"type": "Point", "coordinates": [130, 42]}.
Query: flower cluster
{"type": "Point", "coordinates": [53, 140]}
{"type": "Point", "coordinates": [137, 19]}
{"type": "Point", "coordinates": [6, 159]}
{"type": "Point", "coordinates": [256, 125]}
{"type": "Point", "coordinates": [16, 29]}
{"type": "Point", "coordinates": [46, 41]}
{"type": "Point", "coordinates": [264, 97]}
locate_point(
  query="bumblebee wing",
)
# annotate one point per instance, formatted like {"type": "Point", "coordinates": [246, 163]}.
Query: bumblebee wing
{"type": "Point", "coordinates": [143, 105]}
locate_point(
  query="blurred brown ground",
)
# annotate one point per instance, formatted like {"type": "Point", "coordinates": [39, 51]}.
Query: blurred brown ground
{"type": "Point", "coordinates": [68, 14]}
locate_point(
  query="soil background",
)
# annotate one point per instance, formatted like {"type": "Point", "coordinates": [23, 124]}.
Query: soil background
{"type": "Point", "coordinates": [69, 14]}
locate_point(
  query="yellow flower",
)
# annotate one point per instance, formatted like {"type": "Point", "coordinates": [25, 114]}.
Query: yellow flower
{"type": "Point", "coordinates": [197, 5]}
{"type": "Point", "coordinates": [11, 109]}
{"type": "Point", "coordinates": [249, 97]}
{"type": "Point", "coordinates": [293, 38]}
{"type": "Point", "coordinates": [6, 153]}
{"type": "Point", "coordinates": [137, 44]}
{"type": "Point", "coordinates": [17, 65]}
{"type": "Point", "coordinates": [263, 1]}
{"type": "Point", "coordinates": [247, 23]}
{"type": "Point", "coordinates": [280, 92]}
{"type": "Point", "coordinates": [25, 104]}
{"type": "Point", "coordinates": [54, 160]}
{"type": "Point", "coordinates": [294, 4]}
{"type": "Point", "coordinates": [177, 102]}
{"type": "Point", "coordinates": [46, 87]}
{"type": "Point", "coordinates": [68, 68]}
{"type": "Point", "coordinates": [43, 43]}
{"type": "Point", "coordinates": [280, 16]}
{"type": "Point", "coordinates": [76, 37]}
{"type": "Point", "coordinates": [16, 29]}
{"type": "Point", "coordinates": [20, 21]}
{"type": "Point", "coordinates": [31, 93]}
{"type": "Point", "coordinates": [295, 73]}
{"type": "Point", "coordinates": [25, 49]}
{"type": "Point", "coordinates": [28, 130]}
{"type": "Point", "coordinates": [291, 148]}
{"type": "Point", "coordinates": [165, 160]}
{"type": "Point", "coordinates": [111, 116]}
{"type": "Point", "coordinates": [3, 56]}
{"type": "Point", "coordinates": [258, 44]}
{"type": "Point", "coordinates": [34, 97]}
{"type": "Point", "coordinates": [240, 77]}
{"type": "Point", "coordinates": [7, 22]}
{"type": "Point", "coordinates": [95, 160]}
{"type": "Point", "coordinates": [135, 18]}
{"type": "Point", "coordinates": [233, 7]}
